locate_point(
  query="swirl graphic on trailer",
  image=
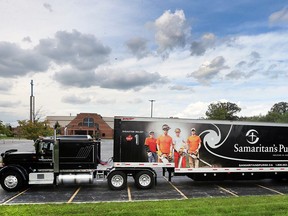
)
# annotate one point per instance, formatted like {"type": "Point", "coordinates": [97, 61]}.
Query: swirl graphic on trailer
{"type": "Point", "coordinates": [242, 147]}
{"type": "Point", "coordinates": [213, 139]}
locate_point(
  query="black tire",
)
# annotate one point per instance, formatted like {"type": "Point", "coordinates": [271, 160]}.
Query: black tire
{"type": "Point", "coordinates": [144, 179]}
{"type": "Point", "coordinates": [117, 180]}
{"type": "Point", "coordinates": [12, 181]}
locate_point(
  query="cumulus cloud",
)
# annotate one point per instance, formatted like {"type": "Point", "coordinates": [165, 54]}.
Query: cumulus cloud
{"type": "Point", "coordinates": [8, 104]}
{"type": "Point", "coordinates": [73, 99]}
{"type": "Point", "coordinates": [76, 78]}
{"type": "Point", "coordinates": [199, 48]}
{"type": "Point", "coordinates": [274, 71]}
{"type": "Point", "coordinates": [5, 86]}
{"type": "Point", "coordinates": [105, 101]}
{"type": "Point", "coordinates": [194, 110]}
{"type": "Point", "coordinates": [124, 80]}
{"type": "Point", "coordinates": [209, 70]}
{"type": "Point", "coordinates": [48, 7]}
{"type": "Point", "coordinates": [108, 78]}
{"type": "Point", "coordinates": [180, 88]}
{"type": "Point", "coordinates": [279, 17]}
{"type": "Point", "coordinates": [138, 47]}
{"type": "Point", "coordinates": [135, 101]}
{"type": "Point", "coordinates": [255, 55]}
{"type": "Point", "coordinates": [27, 39]}
{"type": "Point", "coordinates": [15, 61]}
{"type": "Point", "coordinates": [82, 51]}
{"type": "Point", "coordinates": [246, 68]}
{"type": "Point", "coordinates": [75, 50]}
{"type": "Point", "coordinates": [171, 30]}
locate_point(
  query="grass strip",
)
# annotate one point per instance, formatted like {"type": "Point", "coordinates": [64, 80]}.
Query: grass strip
{"type": "Point", "coordinates": [250, 205]}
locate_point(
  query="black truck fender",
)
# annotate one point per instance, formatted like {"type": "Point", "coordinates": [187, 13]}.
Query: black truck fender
{"type": "Point", "coordinates": [22, 171]}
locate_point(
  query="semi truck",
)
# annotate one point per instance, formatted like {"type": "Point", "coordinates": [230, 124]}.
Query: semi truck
{"type": "Point", "coordinates": [226, 150]}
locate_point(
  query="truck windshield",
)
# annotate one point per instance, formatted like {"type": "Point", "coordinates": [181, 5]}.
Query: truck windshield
{"type": "Point", "coordinates": [45, 147]}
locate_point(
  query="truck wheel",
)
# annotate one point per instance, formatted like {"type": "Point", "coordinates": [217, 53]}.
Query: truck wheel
{"type": "Point", "coordinates": [11, 181]}
{"type": "Point", "coordinates": [117, 180]}
{"type": "Point", "coordinates": [144, 179]}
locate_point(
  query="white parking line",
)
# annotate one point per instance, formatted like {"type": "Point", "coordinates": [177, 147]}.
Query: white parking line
{"type": "Point", "coordinates": [14, 197]}
{"type": "Point", "coordinates": [228, 191]}
{"type": "Point", "coordinates": [180, 192]}
{"type": "Point", "coordinates": [129, 193]}
{"type": "Point", "coordinates": [73, 196]}
{"type": "Point", "coordinates": [270, 189]}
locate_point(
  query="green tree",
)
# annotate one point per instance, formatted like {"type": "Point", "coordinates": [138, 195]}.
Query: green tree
{"type": "Point", "coordinates": [6, 129]}
{"type": "Point", "coordinates": [278, 113]}
{"type": "Point", "coordinates": [281, 108]}
{"type": "Point", "coordinates": [259, 118]}
{"type": "Point", "coordinates": [2, 127]}
{"type": "Point", "coordinates": [223, 111]}
{"type": "Point", "coordinates": [33, 130]}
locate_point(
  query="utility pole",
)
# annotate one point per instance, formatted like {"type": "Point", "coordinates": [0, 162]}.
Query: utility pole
{"type": "Point", "coordinates": [32, 104]}
{"type": "Point", "coordinates": [152, 101]}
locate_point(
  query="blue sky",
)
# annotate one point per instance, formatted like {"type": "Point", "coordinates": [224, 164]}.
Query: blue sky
{"type": "Point", "coordinates": [112, 57]}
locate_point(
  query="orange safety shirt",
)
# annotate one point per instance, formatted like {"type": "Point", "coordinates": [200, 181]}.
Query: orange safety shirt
{"type": "Point", "coordinates": [165, 143]}
{"type": "Point", "coordinates": [151, 142]}
{"type": "Point", "coordinates": [193, 143]}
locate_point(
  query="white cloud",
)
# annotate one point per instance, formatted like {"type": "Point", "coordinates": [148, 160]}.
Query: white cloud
{"type": "Point", "coordinates": [73, 99]}
{"type": "Point", "coordinates": [209, 70]}
{"type": "Point", "coordinates": [279, 17]}
{"type": "Point", "coordinates": [82, 51]}
{"type": "Point", "coordinates": [94, 62]}
{"type": "Point", "coordinates": [138, 47]}
{"type": "Point", "coordinates": [5, 86]}
{"type": "Point", "coordinates": [122, 79]}
{"type": "Point", "coordinates": [180, 88]}
{"type": "Point", "coordinates": [8, 104]}
{"type": "Point", "coordinates": [207, 41]}
{"type": "Point", "coordinates": [48, 7]}
{"type": "Point", "coordinates": [171, 30]}
{"type": "Point", "coordinates": [15, 61]}
{"type": "Point", "coordinates": [194, 110]}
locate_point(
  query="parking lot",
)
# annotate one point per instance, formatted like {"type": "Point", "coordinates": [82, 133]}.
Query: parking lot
{"type": "Point", "coordinates": [180, 187]}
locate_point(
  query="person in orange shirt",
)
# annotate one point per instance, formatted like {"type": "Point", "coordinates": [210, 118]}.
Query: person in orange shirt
{"type": "Point", "coordinates": [164, 144]}
{"type": "Point", "coordinates": [194, 144]}
{"type": "Point", "coordinates": [151, 147]}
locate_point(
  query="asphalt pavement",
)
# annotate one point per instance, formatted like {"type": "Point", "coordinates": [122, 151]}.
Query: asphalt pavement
{"type": "Point", "coordinates": [181, 187]}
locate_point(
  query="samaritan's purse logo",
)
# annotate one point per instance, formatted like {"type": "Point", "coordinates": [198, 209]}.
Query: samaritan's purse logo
{"type": "Point", "coordinates": [252, 136]}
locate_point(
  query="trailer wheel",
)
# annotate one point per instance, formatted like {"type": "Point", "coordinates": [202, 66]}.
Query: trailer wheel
{"type": "Point", "coordinates": [144, 179]}
{"type": "Point", "coordinates": [117, 180]}
{"type": "Point", "coordinates": [11, 181]}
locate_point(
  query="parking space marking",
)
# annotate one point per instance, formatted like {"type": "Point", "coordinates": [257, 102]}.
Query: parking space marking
{"type": "Point", "coordinates": [15, 196]}
{"type": "Point", "coordinates": [73, 196]}
{"type": "Point", "coordinates": [270, 189]}
{"type": "Point", "coordinates": [129, 193]}
{"type": "Point", "coordinates": [180, 192]}
{"type": "Point", "coordinates": [228, 191]}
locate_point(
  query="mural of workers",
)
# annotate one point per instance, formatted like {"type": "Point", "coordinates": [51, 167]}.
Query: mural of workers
{"type": "Point", "coordinates": [151, 147]}
{"type": "Point", "coordinates": [194, 144]}
{"type": "Point", "coordinates": [164, 145]}
{"type": "Point", "coordinates": [180, 148]}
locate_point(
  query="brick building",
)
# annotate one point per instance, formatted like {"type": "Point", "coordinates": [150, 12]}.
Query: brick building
{"type": "Point", "coordinates": [84, 124]}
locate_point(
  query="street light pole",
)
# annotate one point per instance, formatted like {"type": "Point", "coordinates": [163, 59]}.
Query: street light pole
{"type": "Point", "coordinates": [152, 101]}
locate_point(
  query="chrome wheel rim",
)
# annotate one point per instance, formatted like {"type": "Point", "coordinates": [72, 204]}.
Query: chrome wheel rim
{"type": "Point", "coordinates": [144, 180]}
{"type": "Point", "coordinates": [117, 180]}
{"type": "Point", "coordinates": [11, 182]}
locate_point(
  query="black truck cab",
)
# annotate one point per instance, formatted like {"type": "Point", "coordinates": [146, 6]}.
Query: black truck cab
{"type": "Point", "coordinates": [50, 162]}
